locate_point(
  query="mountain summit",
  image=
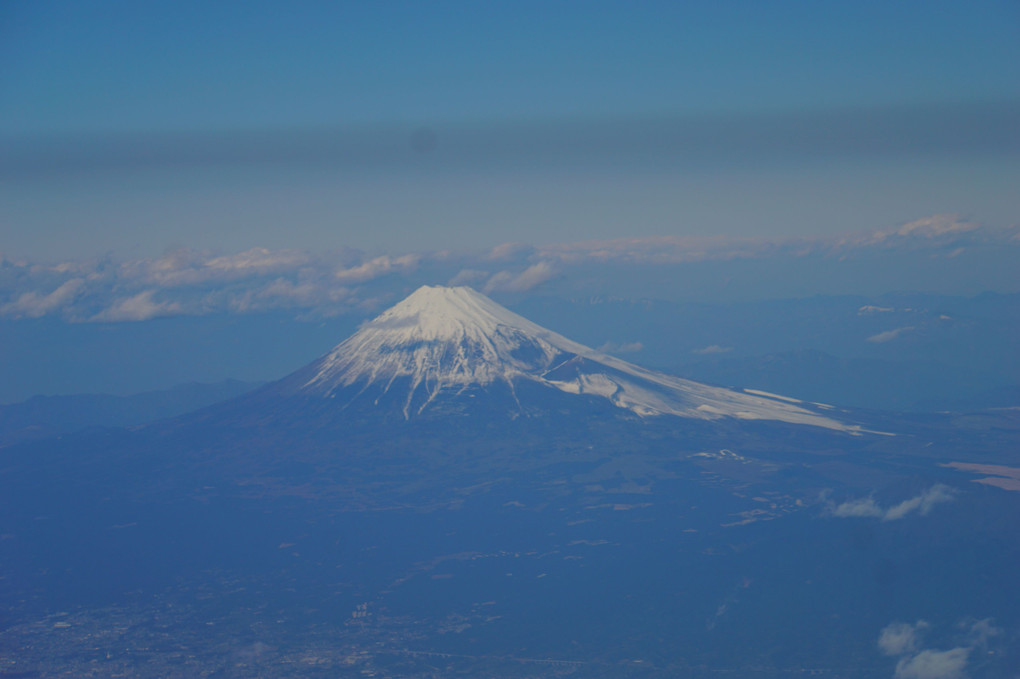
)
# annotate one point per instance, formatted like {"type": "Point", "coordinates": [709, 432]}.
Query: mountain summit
{"type": "Point", "coordinates": [444, 343]}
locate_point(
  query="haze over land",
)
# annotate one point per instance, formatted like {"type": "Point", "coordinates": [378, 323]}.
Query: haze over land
{"type": "Point", "coordinates": [501, 339]}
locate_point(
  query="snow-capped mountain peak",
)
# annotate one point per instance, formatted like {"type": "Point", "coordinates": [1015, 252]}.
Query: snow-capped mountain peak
{"type": "Point", "coordinates": [443, 341]}
{"type": "Point", "coordinates": [440, 338]}
{"type": "Point", "coordinates": [447, 314]}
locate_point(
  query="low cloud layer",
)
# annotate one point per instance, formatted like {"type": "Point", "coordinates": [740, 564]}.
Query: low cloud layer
{"type": "Point", "coordinates": [193, 282]}
{"type": "Point", "coordinates": [868, 508]}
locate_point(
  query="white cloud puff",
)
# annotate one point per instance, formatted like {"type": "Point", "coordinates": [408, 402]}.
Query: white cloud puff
{"type": "Point", "coordinates": [510, 251]}
{"type": "Point", "coordinates": [374, 268]}
{"type": "Point", "coordinates": [979, 632]}
{"type": "Point", "coordinates": [185, 267]}
{"type": "Point", "coordinates": [31, 304]}
{"type": "Point", "coordinates": [258, 261]}
{"type": "Point", "coordinates": [903, 640]}
{"type": "Point", "coordinates": [931, 664]}
{"type": "Point", "coordinates": [468, 277]}
{"type": "Point", "coordinates": [868, 508]}
{"type": "Point", "coordinates": [621, 348]}
{"type": "Point", "coordinates": [712, 349]}
{"type": "Point", "coordinates": [140, 307]}
{"type": "Point", "coordinates": [936, 225]}
{"type": "Point", "coordinates": [889, 335]}
{"type": "Point", "coordinates": [922, 504]}
{"type": "Point", "coordinates": [900, 637]}
{"type": "Point", "coordinates": [534, 275]}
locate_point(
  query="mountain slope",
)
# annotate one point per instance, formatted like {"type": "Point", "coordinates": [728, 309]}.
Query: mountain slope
{"type": "Point", "coordinates": [442, 343]}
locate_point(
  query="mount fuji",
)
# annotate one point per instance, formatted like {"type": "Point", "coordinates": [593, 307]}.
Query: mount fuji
{"type": "Point", "coordinates": [444, 345]}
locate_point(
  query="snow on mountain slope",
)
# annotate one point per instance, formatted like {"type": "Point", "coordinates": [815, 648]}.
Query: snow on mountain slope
{"type": "Point", "coordinates": [442, 340]}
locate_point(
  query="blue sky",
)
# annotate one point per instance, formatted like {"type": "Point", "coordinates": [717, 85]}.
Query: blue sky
{"type": "Point", "coordinates": [136, 127]}
{"type": "Point", "coordinates": [156, 66]}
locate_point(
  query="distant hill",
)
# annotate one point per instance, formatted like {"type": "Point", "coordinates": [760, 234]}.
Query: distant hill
{"type": "Point", "coordinates": [43, 416]}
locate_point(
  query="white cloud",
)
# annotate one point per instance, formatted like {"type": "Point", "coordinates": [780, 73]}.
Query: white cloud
{"type": "Point", "coordinates": [187, 281]}
{"type": "Point", "coordinates": [320, 294]}
{"type": "Point", "coordinates": [900, 637]}
{"type": "Point", "coordinates": [140, 307]}
{"type": "Point", "coordinates": [621, 348]}
{"type": "Point", "coordinates": [937, 225]}
{"type": "Point", "coordinates": [374, 268]}
{"type": "Point", "coordinates": [34, 305]}
{"type": "Point", "coordinates": [177, 268]}
{"type": "Point", "coordinates": [534, 275]}
{"type": "Point", "coordinates": [922, 504]}
{"type": "Point", "coordinates": [510, 251]}
{"type": "Point", "coordinates": [889, 335]}
{"type": "Point", "coordinates": [258, 261]}
{"type": "Point", "coordinates": [864, 507]}
{"type": "Point", "coordinates": [303, 294]}
{"type": "Point", "coordinates": [979, 632]}
{"type": "Point", "coordinates": [931, 664]}
{"type": "Point", "coordinates": [712, 349]}
{"type": "Point", "coordinates": [185, 267]}
{"type": "Point", "coordinates": [942, 230]}
{"type": "Point", "coordinates": [903, 640]}
{"type": "Point", "coordinates": [868, 508]}
{"type": "Point", "coordinates": [468, 276]}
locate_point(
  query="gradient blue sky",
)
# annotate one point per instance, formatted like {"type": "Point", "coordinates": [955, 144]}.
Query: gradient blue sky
{"type": "Point", "coordinates": [133, 127]}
